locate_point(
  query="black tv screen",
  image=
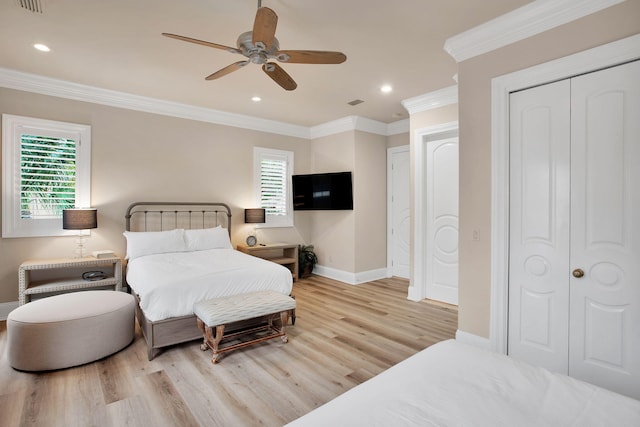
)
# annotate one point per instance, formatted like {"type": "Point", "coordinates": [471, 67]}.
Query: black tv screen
{"type": "Point", "coordinates": [323, 191]}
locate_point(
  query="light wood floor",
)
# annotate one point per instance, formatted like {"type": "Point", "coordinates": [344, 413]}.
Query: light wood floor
{"type": "Point", "coordinates": [343, 336]}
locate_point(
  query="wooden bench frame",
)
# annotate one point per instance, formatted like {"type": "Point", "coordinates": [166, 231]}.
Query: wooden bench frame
{"type": "Point", "coordinates": [214, 334]}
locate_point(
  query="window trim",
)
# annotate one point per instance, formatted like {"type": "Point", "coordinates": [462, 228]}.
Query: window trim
{"type": "Point", "coordinates": [12, 128]}
{"type": "Point", "coordinates": [258, 154]}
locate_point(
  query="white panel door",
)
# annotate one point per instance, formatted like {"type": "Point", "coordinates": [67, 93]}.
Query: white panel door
{"type": "Point", "coordinates": [400, 213]}
{"type": "Point", "coordinates": [605, 229]}
{"type": "Point", "coordinates": [442, 220]}
{"type": "Point", "coordinates": [539, 226]}
{"type": "Point", "coordinates": [574, 270]}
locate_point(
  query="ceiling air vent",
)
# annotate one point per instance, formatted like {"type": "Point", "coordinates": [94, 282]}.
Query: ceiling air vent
{"type": "Point", "coordinates": [355, 102]}
{"type": "Point", "coordinates": [34, 6]}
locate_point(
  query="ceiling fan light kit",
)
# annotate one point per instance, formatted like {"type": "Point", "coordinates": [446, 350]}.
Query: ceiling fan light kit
{"type": "Point", "coordinates": [260, 46]}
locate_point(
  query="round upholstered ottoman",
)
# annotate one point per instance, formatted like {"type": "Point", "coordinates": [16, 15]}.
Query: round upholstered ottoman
{"type": "Point", "coordinates": [69, 329]}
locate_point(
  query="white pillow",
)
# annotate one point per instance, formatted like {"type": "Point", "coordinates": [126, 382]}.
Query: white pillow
{"type": "Point", "coordinates": [208, 238]}
{"type": "Point", "coordinates": [141, 243]}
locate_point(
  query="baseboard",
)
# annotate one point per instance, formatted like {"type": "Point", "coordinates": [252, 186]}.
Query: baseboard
{"type": "Point", "coordinates": [473, 340]}
{"type": "Point", "coordinates": [6, 308]}
{"type": "Point", "coordinates": [350, 278]}
{"type": "Point", "coordinates": [368, 276]}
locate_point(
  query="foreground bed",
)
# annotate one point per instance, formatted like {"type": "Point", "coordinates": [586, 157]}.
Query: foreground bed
{"type": "Point", "coordinates": [454, 384]}
{"type": "Point", "coordinates": [179, 254]}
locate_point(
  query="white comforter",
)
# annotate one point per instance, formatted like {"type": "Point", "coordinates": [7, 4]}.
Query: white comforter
{"type": "Point", "coordinates": [169, 284]}
{"type": "Point", "coordinates": [453, 384]}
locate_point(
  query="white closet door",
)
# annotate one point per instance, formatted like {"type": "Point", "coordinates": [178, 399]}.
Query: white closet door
{"type": "Point", "coordinates": [442, 220]}
{"type": "Point", "coordinates": [574, 270]}
{"type": "Point", "coordinates": [539, 227]}
{"type": "Point", "coordinates": [605, 229]}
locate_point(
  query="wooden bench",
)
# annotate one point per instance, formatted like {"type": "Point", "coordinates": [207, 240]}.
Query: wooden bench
{"type": "Point", "coordinates": [214, 315]}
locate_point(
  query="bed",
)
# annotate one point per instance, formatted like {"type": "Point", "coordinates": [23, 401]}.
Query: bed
{"type": "Point", "coordinates": [179, 253]}
{"type": "Point", "coordinates": [455, 384]}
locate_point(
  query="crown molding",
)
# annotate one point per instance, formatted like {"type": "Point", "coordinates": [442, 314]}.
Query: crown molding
{"type": "Point", "coordinates": [333, 127]}
{"type": "Point", "coordinates": [372, 126]}
{"type": "Point", "coordinates": [351, 123]}
{"type": "Point", "coordinates": [522, 23]}
{"type": "Point", "coordinates": [396, 128]}
{"type": "Point", "coordinates": [64, 89]}
{"type": "Point", "coordinates": [18, 80]}
{"type": "Point", "coordinates": [431, 100]}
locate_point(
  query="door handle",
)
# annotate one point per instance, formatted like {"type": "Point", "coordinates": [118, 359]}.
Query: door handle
{"type": "Point", "coordinates": [577, 273]}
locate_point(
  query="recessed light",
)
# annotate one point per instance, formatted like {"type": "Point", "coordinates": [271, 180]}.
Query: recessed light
{"type": "Point", "coordinates": [386, 89]}
{"type": "Point", "coordinates": [42, 47]}
{"type": "Point", "coordinates": [256, 99]}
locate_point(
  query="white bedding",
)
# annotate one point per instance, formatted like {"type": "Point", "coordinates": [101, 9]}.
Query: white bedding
{"type": "Point", "coordinates": [454, 384]}
{"type": "Point", "coordinates": [168, 284]}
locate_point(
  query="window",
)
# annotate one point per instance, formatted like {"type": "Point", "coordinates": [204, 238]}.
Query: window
{"type": "Point", "coordinates": [46, 168]}
{"type": "Point", "coordinates": [272, 176]}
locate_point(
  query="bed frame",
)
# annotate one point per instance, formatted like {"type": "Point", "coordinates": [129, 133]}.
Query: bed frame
{"type": "Point", "coordinates": [163, 216]}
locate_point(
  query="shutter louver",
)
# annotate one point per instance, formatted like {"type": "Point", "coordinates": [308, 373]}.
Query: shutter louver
{"type": "Point", "coordinates": [273, 186]}
{"type": "Point", "coordinates": [47, 176]}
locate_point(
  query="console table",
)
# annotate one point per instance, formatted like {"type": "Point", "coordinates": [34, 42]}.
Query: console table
{"type": "Point", "coordinates": [54, 276]}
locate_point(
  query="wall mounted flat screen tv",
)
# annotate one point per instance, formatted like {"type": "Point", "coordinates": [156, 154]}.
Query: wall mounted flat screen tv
{"type": "Point", "coordinates": [323, 191]}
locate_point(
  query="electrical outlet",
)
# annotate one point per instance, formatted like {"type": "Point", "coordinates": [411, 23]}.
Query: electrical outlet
{"type": "Point", "coordinates": [476, 235]}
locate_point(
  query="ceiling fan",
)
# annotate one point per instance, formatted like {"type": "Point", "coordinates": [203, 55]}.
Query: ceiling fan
{"type": "Point", "coordinates": [260, 46]}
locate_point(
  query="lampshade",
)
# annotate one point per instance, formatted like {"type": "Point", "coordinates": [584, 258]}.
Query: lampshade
{"type": "Point", "coordinates": [254, 216]}
{"type": "Point", "coordinates": [79, 219]}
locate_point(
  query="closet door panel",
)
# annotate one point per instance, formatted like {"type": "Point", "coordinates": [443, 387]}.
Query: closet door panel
{"type": "Point", "coordinates": [539, 229]}
{"type": "Point", "coordinates": [605, 228]}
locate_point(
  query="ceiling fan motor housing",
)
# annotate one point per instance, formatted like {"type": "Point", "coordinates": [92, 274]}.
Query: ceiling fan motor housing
{"type": "Point", "coordinates": [257, 53]}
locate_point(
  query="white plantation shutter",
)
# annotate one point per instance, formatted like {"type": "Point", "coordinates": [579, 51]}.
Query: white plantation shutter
{"type": "Point", "coordinates": [46, 167]}
{"type": "Point", "coordinates": [47, 176]}
{"type": "Point", "coordinates": [273, 186]}
{"type": "Point", "coordinates": [273, 181]}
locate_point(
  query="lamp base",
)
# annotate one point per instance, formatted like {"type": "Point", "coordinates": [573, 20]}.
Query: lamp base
{"type": "Point", "coordinates": [79, 251]}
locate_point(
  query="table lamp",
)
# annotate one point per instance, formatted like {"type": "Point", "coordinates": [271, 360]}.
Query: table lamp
{"type": "Point", "coordinates": [254, 216]}
{"type": "Point", "coordinates": [80, 219]}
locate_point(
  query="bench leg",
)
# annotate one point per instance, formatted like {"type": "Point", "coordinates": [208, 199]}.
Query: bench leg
{"type": "Point", "coordinates": [211, 341]}
{"type": "Point", "coordinates": [216, 342]}
{"type": "Point", "coordinates": [284, 318]}
{"type": "Point", "coordinates": [203, 328]}
{"type": "Point", "coordinates": [292, 314]}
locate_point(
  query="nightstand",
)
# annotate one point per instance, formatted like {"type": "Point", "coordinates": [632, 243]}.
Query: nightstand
{"type": "Point", "coordinates": [54, 276]}
{"type": "Point", "coordinates": [283, 254]}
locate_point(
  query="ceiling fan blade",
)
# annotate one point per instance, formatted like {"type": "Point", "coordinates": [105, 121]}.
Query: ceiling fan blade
{"type": "Point", "coordinates": [226, 70]}
{"type": "Point", "coordinates": [264, 27]}
{"type": "Point", "coordinates": [202, 42]}
{"type": "Point", "coordinates": [279, 76]}
{"type": "Point", "coordinates": [310, 57]}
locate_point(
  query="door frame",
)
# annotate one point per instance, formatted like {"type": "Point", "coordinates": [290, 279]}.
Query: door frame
{"type": "Point", "coordinates": [390, 152]}
{"type": "Point", "coordinates": [418, 284]}
{"type": "Point", "coordinates": [614, 53]}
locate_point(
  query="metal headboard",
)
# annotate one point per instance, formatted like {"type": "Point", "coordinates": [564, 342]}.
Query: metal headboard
{"type": "Point", "coordinates": [162, 216]}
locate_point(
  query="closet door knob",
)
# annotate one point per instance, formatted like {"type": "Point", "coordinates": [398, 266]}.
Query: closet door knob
{"type": "Point", "coordinates": [578, 273]}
